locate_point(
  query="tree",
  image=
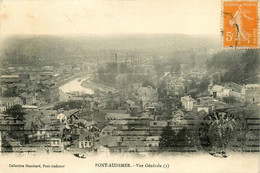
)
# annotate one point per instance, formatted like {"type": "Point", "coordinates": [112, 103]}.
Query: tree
{"type": "Point", "coordinates": [72, 104]}
{"type": "Point", "coordinates": [11, 92]}
{"type": "Point", "coordinates": [220, 131]}
{"type": "Point", "coordinates": [112, 68]}
{"type": "Point", "coordinates": [16, 112]}
{"type": "Point", "coordinates": [251, 61]}
{"type": "Point", "coordinates": [167, 138]}
{"type": "Point", "coordinates": [229, 100]}
{"type": "Point", "coordinates": [184, 139]}
{"type": "Point", "coordinates": [123, 68]}
{"type": "Point", "coordinates": [122, 81]}
{"type": "Point", "coordinates": [175, 67]}
{"type": "Point", "coordinates": [238, 65]}
{"type": "Point", "coordinates": [203, 85]}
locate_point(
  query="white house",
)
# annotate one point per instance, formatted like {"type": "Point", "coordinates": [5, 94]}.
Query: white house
{"type": "Point", "coordinates": [220, 91]}
{"type": "Point", "coordinates": [188, 102]}
{"type": "Point", "coordinates": [86, 140]}
{"type": "Point", "coordinates": [61, 117]}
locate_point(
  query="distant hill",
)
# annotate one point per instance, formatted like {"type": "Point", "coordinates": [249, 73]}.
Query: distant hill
{"type": "Point", "coordinates": [60, 48]}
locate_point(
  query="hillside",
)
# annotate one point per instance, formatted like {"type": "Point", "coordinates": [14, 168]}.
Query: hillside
{"type": "Point", "coordinates": [60, 48]}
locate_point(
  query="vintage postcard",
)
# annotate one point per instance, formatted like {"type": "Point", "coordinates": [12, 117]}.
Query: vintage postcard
{"type": "Point", "coordinates": [129, 86]}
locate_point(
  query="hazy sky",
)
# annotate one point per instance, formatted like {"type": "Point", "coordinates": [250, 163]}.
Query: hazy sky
{"type": "Point", "coordinates": [110, 16]}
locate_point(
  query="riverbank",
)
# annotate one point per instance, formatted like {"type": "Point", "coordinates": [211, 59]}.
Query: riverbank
{"type": "Point", "coordinates": [96, 86]}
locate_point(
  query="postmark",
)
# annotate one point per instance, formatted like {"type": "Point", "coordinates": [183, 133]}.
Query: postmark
{"type": "Point", "coordinates": [240, 23]}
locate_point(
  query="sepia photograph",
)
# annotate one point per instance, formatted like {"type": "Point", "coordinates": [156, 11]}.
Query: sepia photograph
{"type": "Point", "coordinates": [129, 85]}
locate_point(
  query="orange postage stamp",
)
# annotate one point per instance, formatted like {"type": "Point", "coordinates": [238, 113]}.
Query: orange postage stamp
{"type": "Point", "coordinates": [240, 23]}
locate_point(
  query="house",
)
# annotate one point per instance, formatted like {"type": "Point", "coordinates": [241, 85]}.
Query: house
{"type": "Point", "coordinates": [82, 125]}
{"type": "Point", "coordinates": [147, 95]}
{"type": "Point", "coordinates": [61, 117]}
{"type": "Point", "coordinates": [39, 135]}
{"type": "Point", "coordinates": [117, 116]}
{"type": "Point", "coordinates": [2, 108]}
{"type": "Point", "coordinates": [146, 116]}
{"type": "Point", "coordinates": [91, 126]}
{"type": "Point", "coordinates": [108, 130]}
{"type": "Point", "coordinates": [152, 141]}
{"type": "Point", "coordinates": [8, 102]}
{"type": "Point", "coordinates": [86, 140]}
{"type": "Point", "coordinates": [235, 91]}
{"type": "Point", "coordinates": [56, 144]}
{"type": "Point", "coordinates": [178, 122]}
{"type": "Point", "coordinates": [12, 145]}
{"type": "Point", "coordinates": [251, 93]}
{"type": "Point", "coordinates": [139, 123]}
{"type": "Point", "coordinates": [30, 107]}
{"type": "Point", "coordinates": [120, 124]}
{"type": "Point", "coordinates": [219, 91]}
{"type": "Point", "coordinates": [48, 68]}
{"type": "Point", "coordinates": [135, 145]}
{"type": "Point", "coordinates": [209, 104]}
{"type": "Point", "coordinates": [10, 79]}
{"type": "Point", "coordinates": [178, 115]}
{"type": "Point", "coordinates": [133, 132]}
{"type": "Point", "coordinates": [9, 123]}
{"type": "Point", "coordinates": [42, 134]}
{"type": "Point", "coordinates": [159, 124]}
{"type": "Point", "coordinates": [188, 103]}
{"type": "Point", "coordinates": [11, 69]}
{"type": "Point", "coordinates": [14, 127]}
{"type": "Point", "coordinates": [66, 141]}
{"type": "Point", "coordinates": [47, 119]}
{"type": "Point", "coordinates": [206, 109]}
{"type": "Point", "coordinates": [111, 141]}
{"type": "Point", "coordinates": [28, 99]}
{"type": "Point", "coordinates": [71, 114]}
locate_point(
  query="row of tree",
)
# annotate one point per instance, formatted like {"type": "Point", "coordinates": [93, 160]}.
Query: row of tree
{"type": "Point", "coordinates": [238, 65]}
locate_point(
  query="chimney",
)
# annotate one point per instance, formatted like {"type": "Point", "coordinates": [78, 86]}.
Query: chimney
{"type": "Point", "coordinates": [116, 58]}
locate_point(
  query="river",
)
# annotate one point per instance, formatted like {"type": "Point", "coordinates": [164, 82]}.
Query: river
{"type": "Point", "coordinates": [74, 86]}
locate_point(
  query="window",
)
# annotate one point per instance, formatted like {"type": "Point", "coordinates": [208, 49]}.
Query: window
{"type": "Point", "coordinates": [154, 123]}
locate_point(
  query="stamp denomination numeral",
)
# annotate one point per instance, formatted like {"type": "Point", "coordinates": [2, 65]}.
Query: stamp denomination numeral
{"type": "Point", "coordinates": [229, 36]}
